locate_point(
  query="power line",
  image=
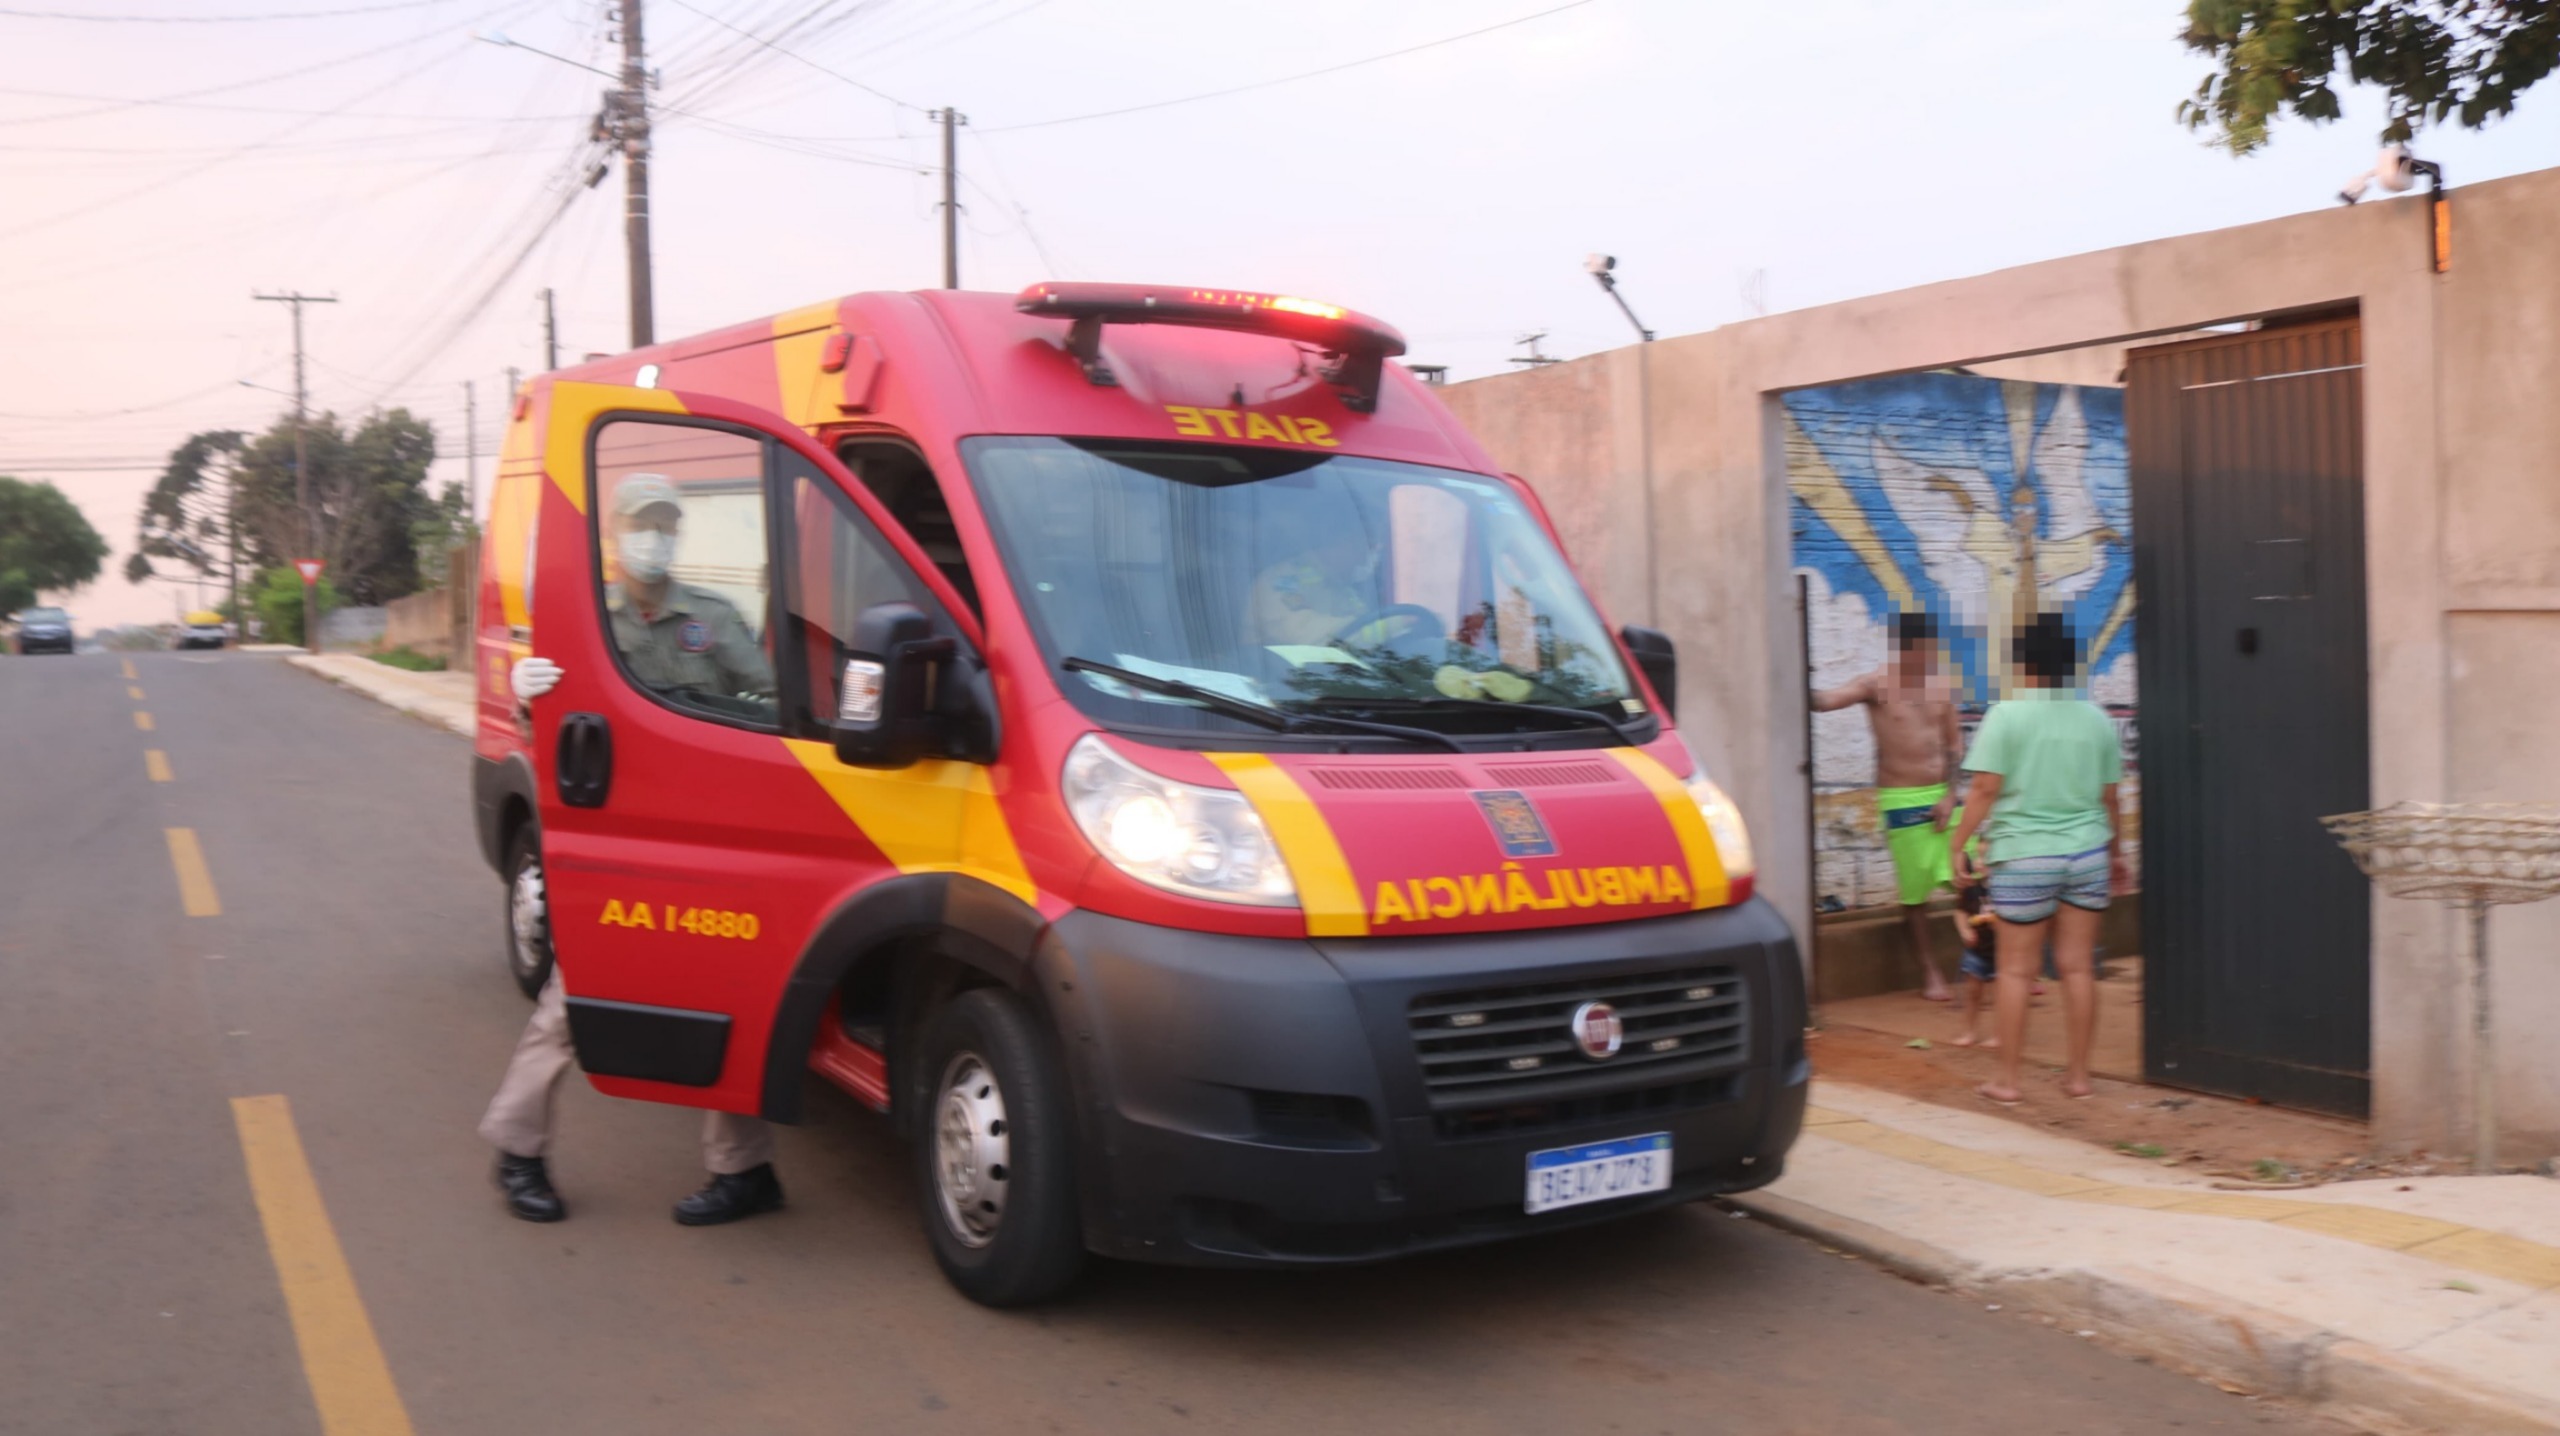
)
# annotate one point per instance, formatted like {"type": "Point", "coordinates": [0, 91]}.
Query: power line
{"type": "Point", "coordinates": [933, 41]}
{"type": "Point", "coordinates": [471, 313]}
{"type": "Point", "coordinates": [1289, 79]}
{"type": "Point", "coordinates": [868, 89]}
{"type": "Point", "coordinates": [1002, 194]}
{"type": "Point", "coordinates": [128, 101]}
{"type": "Point", "coordinates": [294, 74]}
{"type": "Point", "coordinates": [225, 157]}
{"type": "Point", "coordinates": [16, 14]}
{"type": "Point", "coordinates": [192, 395]}
{"type": "Point", "coordinates": [813, 146]}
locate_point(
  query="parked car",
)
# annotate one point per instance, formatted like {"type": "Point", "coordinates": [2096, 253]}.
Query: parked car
{"type": "Point", "coordinates": [44, 630]}
{"type": "Point", "coordinates": [203, 629]}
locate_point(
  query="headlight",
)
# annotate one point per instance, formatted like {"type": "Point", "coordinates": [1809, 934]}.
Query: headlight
{"type": "Point", "coordinates": [1724, 821]}
{"type": "Point", "coordinates": [1200, 842]}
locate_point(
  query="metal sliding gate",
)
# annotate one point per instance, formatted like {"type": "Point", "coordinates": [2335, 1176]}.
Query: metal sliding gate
{"type": "Point", "coordinates": [2246, 464]}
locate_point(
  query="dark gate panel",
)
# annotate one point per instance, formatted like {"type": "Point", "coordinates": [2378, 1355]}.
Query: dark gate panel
{"type": "Point", "coordinates": [2246, 463]}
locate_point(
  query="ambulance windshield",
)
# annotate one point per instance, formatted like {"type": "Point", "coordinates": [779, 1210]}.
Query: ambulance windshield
{"type": "Point", "coordinates": [1314, 584]}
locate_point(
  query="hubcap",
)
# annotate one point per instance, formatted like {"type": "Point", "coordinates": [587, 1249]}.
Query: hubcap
{"type": "Point", "coordinates": [972, 1150]}
{"type": "Point", "coordinates": [529, 915]}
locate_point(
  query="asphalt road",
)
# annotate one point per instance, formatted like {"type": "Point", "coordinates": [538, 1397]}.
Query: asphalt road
{"type": "Point", "coordinates": [354, 970]}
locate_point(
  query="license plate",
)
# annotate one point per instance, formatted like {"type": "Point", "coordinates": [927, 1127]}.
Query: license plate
{"type": "Point", "coordinates": [1571, 1176]}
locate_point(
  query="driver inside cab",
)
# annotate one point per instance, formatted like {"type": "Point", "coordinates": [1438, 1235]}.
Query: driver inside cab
{"type": "Point", "coordinates": [676, 637]}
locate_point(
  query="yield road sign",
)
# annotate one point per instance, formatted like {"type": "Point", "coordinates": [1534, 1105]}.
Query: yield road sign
{"type": "Point", "coordinates": [310, 568]}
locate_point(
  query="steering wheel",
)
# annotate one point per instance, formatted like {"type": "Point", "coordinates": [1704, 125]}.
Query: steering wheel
{"type": "Point", "coordinates": [1385, 611]}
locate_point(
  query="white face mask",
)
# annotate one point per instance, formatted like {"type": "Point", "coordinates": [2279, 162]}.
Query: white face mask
{"type": "Point", "coordinates": [645, 553]}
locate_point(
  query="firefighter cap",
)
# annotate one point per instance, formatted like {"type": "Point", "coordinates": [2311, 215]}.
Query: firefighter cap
{"type": "Point", "coordinates": [639, 491]}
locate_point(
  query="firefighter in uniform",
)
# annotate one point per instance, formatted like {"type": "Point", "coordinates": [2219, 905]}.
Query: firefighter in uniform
{"type": "Point", "coordinates": [678, 639]}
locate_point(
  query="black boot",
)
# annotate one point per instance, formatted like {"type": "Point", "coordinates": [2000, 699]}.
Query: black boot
{"type": "Point", "coordinates": [528, 1187]}
{"type": "Point", "coordinates": [729, 1196]}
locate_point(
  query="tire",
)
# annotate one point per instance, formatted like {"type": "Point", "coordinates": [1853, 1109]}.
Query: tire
{"type": "Point", "coordinates": [995, 1152]}
{"type": "Point", "coordinates": [527, 912]}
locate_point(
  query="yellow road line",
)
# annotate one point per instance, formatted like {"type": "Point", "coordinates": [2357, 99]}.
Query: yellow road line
{"type": "Point", "coordinates": [195, 880]}
{"type": "Point", "coordinates": [128, 667]}
{"type": "Point", "coordinates": [142, 720]}
{"type": "Point", "coordinates": [133, 691]}
{"type": "Point", "coordinates": [156, 763]}
{"type": "Point", "coordinates": [350, 1382]}
{"type": "Point", "coordinates": [2492, 1253]}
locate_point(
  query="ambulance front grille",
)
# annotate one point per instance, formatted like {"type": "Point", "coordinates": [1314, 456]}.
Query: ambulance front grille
{"type": "Point", "coordinates": [1503, 1045]}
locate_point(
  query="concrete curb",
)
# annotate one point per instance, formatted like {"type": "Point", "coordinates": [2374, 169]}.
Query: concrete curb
{"type": "Point", "coordinates": [2201, 1333]}
{"type": "Point", "coordinates": [385, 686]}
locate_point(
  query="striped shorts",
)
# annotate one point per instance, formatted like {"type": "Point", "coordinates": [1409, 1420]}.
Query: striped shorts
{"type": "Point", "coordinates": [2026, 889]}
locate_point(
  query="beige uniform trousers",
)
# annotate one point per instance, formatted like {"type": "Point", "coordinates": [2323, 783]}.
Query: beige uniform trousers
{"type": "Point", "coordinates": [518, 1121]}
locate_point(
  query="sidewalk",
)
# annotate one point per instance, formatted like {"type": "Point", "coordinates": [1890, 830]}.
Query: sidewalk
{"type": "Point", "coordinates": [2423, 1304]}
{"type": "Point", "coordinates": [444, 699]}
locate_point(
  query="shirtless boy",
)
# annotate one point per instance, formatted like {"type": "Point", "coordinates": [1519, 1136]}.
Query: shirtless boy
{"type": "Point", "coordinates": [1911, 708]}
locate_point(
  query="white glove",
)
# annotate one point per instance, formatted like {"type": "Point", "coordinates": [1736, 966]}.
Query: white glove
{"type": "Point", "coordinates": [532, 677]}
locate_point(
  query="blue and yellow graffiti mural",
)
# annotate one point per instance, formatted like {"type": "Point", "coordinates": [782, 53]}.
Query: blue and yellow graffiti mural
{"type": "Point", "coordinates": [1978, 501]}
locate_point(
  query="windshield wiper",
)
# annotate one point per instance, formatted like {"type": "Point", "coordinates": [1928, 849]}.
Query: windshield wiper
{"type": "Point", "coordinates": [1262, 714]}
{"type": "Point", "coordinates": [1552, 710]}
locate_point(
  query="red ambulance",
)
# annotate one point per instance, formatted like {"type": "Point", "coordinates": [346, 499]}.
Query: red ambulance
{"type": "Point", "coordinates": [1133, 738]}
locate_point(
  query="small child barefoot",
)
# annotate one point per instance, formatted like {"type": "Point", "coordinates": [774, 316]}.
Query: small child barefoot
{"type": "Point", "coordinates": [1973, 930]}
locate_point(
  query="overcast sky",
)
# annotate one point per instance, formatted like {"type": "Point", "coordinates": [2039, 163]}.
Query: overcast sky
{"type": "Point", "coordinates": [156, 173]}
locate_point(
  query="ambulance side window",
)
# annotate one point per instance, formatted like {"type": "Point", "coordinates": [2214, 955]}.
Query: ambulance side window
{"type": "Point", "coordinates": [839, 565]}
{"type": "Point", "coordinates": [899, 477]}
{"type": "Point", "coordinates": [681, 553]}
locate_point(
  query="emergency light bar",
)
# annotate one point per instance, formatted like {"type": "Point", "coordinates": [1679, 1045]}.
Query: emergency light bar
{"type": "Point", "coordinates": [1357, 345]}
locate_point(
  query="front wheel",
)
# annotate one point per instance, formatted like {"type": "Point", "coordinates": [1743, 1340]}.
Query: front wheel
{"type": "Point", "coordinates": [995, 1160]}
{"type": "Point", "coordinates": [528, 913]}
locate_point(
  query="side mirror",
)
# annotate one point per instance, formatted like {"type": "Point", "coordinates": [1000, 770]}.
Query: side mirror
{"type": "Point", "coordinates": [885, 714]}
{"type": "Point", "coordinates": [1654, 653]}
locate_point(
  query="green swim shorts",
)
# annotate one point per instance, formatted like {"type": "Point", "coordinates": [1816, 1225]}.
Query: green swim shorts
{"type": "Point", "coordinates": [1919, 848]}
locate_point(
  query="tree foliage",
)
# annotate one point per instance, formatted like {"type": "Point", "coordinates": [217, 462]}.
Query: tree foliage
{"type": "Point", "coordinates": [184, 518]}
{"type": "Point", "coordinates": [369, 487]}
{"type": "Point", "coordinates": [446, 522]}
{"type": "Point", "coordinates": [45, 543]}
{"type": "Point", "coordinates": [277, 600]}
{"type": "Point", "coordinates": [2436, 60]}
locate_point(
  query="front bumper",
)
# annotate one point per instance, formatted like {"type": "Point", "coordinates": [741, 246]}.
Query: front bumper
{"type": "Point", "coordinates": [44, 643]}
{"type": "Point", "coordinates": [1254, 1101]}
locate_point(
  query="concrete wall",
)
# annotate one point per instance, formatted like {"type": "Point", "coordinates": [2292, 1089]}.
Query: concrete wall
{"type": "Point", "coordinates": [438, 621]}
{"type": "Point", "coordinates": [1669, 460]}
{"type": "Point", "coordinates": [422, 622]}
{"type": "Point", "coordinates": [358, 629]}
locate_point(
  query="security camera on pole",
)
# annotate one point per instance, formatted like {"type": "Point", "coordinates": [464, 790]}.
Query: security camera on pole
{"type": "Point", "coordinates": [1601, 267]}
{"type": "Point", "coordinates": [2395, 171]}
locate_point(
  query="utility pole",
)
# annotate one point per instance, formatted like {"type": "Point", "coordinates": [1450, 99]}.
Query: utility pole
{"type": "Point", "coordinates": [625, 122]}
{"type": "Point", "coordinates": [471, 450]}
{"type": "Point", "coordinates": [302, 460]}
{"type": "Point", "coordinates": [231, 544]}
{"type": "Point", "coordinates": [951, 120]}
{"type": "Point", "coordinates": [550, 334]}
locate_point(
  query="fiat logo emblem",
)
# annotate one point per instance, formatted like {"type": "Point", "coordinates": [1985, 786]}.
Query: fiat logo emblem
{"type": "Point", "coordinates": [1598, 1031]}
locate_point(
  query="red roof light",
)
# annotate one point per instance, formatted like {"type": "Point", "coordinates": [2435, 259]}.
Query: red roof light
{"type": "Point", "coordinates": [1359, 343]}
